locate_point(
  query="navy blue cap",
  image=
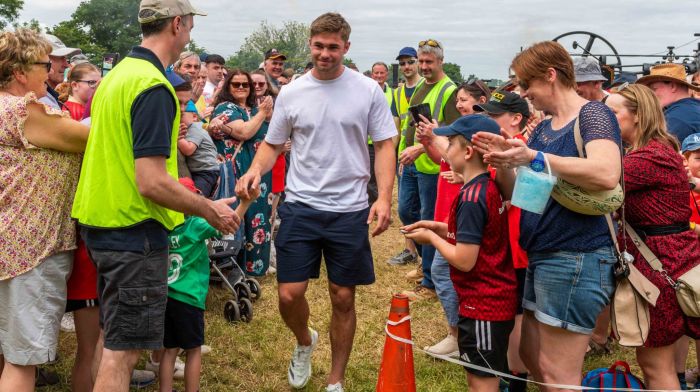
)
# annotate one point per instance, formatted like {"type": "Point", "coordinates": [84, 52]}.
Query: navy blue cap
{"type": "Point", "coordinates": [174, 78]}
{"type": "Point", "coordinates": [407, 52]}
{"type": "Point", "coordinates": [469, 125]}
{"type": "Point", "coordinates": [691, 143]}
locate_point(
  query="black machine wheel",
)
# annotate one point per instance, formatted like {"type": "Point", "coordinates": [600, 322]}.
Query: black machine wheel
{"type": "Point", "coordinates": [232, 312]}
{"type": "Point", "coordinates": [586, 40]}
{"type": "Point", "coordinates": [242, 290]}
{"type": "Point", "coordinates": [246, 310]}
{"type": "Point", "coordinates": [255, 288]}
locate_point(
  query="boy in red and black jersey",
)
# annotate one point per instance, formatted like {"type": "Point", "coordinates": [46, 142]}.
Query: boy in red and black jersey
{"type": "Point", "coordinates": [475, 243]}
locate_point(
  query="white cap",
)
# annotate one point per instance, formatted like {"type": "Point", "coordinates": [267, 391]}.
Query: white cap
{"type": "Point", "coordinates": [59, 48]}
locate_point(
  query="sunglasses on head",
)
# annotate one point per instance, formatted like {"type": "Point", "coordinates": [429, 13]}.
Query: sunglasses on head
{"type": "Point", "coordinates": [621, 87]}
{"type": "Point", "coordinates": [240, 85]}
{"type": "Point", "coordinates": [480, 86]}
{"type": "Point", "coordinates": [409, 62]}
{"type": "Point", "coordinates": [430, 42]}
{"type": "Point", "coordinates": [46, 64]}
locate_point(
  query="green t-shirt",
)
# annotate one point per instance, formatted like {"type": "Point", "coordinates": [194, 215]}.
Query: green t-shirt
{"type": "Point", "coordinates": [188, 272]}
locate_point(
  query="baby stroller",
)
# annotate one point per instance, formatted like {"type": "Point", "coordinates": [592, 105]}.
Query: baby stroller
{"type": "Point", "coordinates": [223, 257]}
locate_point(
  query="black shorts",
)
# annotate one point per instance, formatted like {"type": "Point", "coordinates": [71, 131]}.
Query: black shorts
{"type": "Point", "coordinates": [306, 235]}
{"type": "Point", "coordinates": [520, 277]}
{"type": "Point", "coordinates": [73, 305]}
{"type": "Point", "coordinates": [132, 288]}
{"type": "Point", "coordinates": [206, 181]}
{"type": "Point", "coordinates": [184, 325]}
{"type": "Point", "coordinates": [484, 343]}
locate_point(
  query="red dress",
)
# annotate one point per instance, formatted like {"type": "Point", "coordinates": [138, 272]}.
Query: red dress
{"type": "Point", "coordinates": [656, 193]}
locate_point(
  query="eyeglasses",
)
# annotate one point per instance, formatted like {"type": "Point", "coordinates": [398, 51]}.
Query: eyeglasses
{"type": "Point", "coordinates": [409, 62]}
{"type": "Point", "coordinates": [46, 64]}
{"type": "Point", "coordinates": [90, 83]}
{"type": "Point", "coordinates": [240, 85]}
{"type": "Point", "coordinates": [430, 42]}
{"type": "Point", "coordinates": [259, 84]}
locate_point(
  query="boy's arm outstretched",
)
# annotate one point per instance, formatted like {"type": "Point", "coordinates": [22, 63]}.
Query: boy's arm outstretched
{"type": "Point", "coordinates": [461, 256]}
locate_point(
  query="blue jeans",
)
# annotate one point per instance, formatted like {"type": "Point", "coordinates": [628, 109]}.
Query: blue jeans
{"type": "Point", "coordinates": [417, 193]}
{"type": "Point", "coordinates": [444, 288]}
{"type": "Point", "coordinates": [569, 289]}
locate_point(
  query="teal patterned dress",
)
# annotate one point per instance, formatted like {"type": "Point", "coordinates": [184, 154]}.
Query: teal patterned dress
{"type": "Point", "coordinates": [256, 249]}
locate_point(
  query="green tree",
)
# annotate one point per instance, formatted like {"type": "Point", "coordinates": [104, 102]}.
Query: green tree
{"type": "Point", "coordinates": [291, 39]}
{"type": "Point", "coordinates": [32, 24]}
{"type": "Point", "coordinates": [9, 11]}
{"type": "Point", "coordinates": [193, 47]}
{"type": "Point", "coordinates": [454, 71]}
{"type": "Point", "coordinates": [101, 26]}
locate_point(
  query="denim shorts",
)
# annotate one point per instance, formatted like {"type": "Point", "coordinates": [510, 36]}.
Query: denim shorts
{"type": "Point", "coordinates": [569, 289]}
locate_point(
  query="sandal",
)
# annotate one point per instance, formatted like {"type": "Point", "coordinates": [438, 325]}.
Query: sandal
{"type": "Point", "coordinates": [595, 348]}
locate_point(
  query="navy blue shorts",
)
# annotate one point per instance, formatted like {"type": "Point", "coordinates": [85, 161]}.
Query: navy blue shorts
{"type": "Point", "coordinates": [306, 235]}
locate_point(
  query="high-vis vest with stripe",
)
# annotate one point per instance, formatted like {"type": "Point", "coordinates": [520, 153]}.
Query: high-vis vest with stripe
{"type": "Point", "coordinates": [401, 103]}
{"type": "Point", "coordinates": [107, 195]}
{"type": "Point", "coordinates": [437, 99]}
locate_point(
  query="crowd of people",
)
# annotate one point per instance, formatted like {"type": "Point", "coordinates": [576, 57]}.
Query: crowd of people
{"type": "Point", "coordinates": [112, 184]}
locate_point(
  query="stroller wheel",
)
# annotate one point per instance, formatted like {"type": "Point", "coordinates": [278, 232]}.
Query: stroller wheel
{"type": "Point", "coordinates": [232, 311]}
{"type": "Point", "coordinates": [246, 310]}
{"type": "Point", "coordinates": [243, 291]}
{"type": "Point", "coordinates": [255, 289]}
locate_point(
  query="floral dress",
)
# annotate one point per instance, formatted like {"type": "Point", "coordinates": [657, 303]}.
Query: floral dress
{"type": "Point", "coordinates": [256, 249]}
{"type": "Point", "coordinates": [656, 194]}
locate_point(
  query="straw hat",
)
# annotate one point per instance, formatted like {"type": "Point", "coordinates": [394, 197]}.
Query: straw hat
{"type": "Point", "coordinates": [668, 73]}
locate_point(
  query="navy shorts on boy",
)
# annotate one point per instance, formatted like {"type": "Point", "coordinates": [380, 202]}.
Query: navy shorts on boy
{"type": "Point", "coordinates": [488, 292]}
{"type": "Point", "coordinates": [306, 235]}
{"type": "Point", "coordinates": [184, 325]}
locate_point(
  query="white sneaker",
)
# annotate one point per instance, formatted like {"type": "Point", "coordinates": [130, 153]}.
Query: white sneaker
{"type": "Point", "coordinates": [299, 371]}
{"type": "Point", "coordinates": [142, 378]}
{"type": "Point", "coordinates": [67, 322]}
{"type": "Point", "coordinates": [154, 367]}
{"type": "Point", "coordinates": [206, 349]}
{"type": "Point", "coordinates": [447, 346]}
{"type": "Point", "coordinates": [337, 387]}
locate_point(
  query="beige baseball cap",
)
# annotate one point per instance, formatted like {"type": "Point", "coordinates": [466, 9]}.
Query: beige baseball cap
{"type": "Point", "coordinates": [152, 10]}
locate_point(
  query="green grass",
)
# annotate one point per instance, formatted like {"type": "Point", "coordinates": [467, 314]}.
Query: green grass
{"type": "Point", "coordinates": [254, 356]}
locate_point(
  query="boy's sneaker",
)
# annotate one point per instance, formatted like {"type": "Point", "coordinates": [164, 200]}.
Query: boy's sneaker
{"type": "Point", "coordinates": [206, 349]}
{"type": "Point", "coordinates": [299, 371]}
{"type": "Point", "coordinates": [67, 322]}
{"type": "Point", "coordinates": [142, 378]}
{"type": "Point", "coordinates": [419, 293]}
{"type": "Point", "coordinates": [415, 275]}
{"type": "Point", "coordinates": [447, 346]}
{"type": "Point", "coordinates": [153, 366]}
{"type": "Point", "coordinates": [337, 387]}
{"type": "Point", "coordinates": [403, 258]}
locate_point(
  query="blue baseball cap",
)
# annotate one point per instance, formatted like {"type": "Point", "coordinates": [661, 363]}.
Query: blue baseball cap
{"type": "Point", "coordinates": [469, 125]}
{"type": "Point", "coordinates": [407, 52]}
{"type": "Point", "coordinates": [691, 143]}
{"type": "Point", "coordinates": [174, 79]}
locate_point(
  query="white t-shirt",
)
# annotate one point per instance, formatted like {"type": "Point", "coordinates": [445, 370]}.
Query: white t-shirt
{"type": "Point", "coordinates": [328, 122]}
{"type": "Point", "coordinates": [208, 90]}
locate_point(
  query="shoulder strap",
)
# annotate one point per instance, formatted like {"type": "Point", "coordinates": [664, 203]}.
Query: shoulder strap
{"type": "Point", "coordinates": [578, 138]}
{"type": "Point", "coordinates": [438, 101]}
{"type": "Point", "coordinates": [648, 255]}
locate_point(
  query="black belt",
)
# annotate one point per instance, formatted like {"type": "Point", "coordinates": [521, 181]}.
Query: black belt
{"type": "Point", "coordinates": [645, 231]}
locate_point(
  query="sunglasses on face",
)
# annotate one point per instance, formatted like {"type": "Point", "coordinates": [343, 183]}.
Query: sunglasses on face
{"type": "Point", "coordinates": [430, 42]}
{"type": "Point", "coordinates": [90, 83]}
{"type": "Point", "coordinates": [409, 62]}
{"type": "Point", "coordinates": [46, 64]}
{"type": "Point", "coordinates": [240, 85]}
{"type": "Point", "coordinates": [259, 84]}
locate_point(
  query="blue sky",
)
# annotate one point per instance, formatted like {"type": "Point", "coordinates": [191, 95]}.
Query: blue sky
{"type": "Point", "coordinates": [482, 37]}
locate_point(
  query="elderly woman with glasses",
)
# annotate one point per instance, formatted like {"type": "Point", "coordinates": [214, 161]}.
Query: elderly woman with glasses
{"type": "Point", "coordinates": [570, 276]}
{"type": "Point", "coordinates": [39, 168]}
{"type": "Point", "coordinates": [242, 134]}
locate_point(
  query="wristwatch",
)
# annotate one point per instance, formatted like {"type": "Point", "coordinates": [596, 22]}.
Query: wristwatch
{"type": "Point", "coordinates": [537, 164]}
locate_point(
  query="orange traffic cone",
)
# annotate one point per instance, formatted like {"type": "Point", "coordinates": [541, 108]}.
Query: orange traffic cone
{"type": "Point", "coordinates": [396, 372]}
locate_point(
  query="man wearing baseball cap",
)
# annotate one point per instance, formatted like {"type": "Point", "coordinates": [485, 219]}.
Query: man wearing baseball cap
{"type": "Point", "coordinates": [274, 65]}
{"type": "Point", "coordinates": [59, 56]}
{"type": "Point", "coordinates": [508, 109]}
{"type": "Point", "coordinates": [682, 111]}
{"type": "Point", "coordinates": [128, 196]}
{"type": "Point", "coordinates": [589, 79]}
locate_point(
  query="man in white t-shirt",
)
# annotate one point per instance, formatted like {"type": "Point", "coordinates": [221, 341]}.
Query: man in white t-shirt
{"type": "Point", "coordinates": [215, 74]}
{"type": "Point", "coordinates": [328, 113]}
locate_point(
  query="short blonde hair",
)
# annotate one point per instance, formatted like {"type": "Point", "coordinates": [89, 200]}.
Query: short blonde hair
{"type": "Point", "coordinates": [19, 49]}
